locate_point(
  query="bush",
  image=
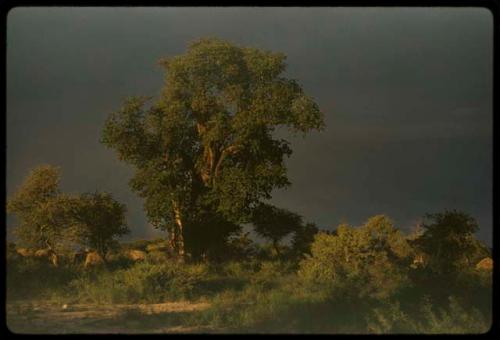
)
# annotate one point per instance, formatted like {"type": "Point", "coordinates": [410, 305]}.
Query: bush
{"type": "Point", "coordinates": [428, 319]}
{"type": "Point", "coordinates": [370, 261]}
{"type": "Point", "coordinates": [157, 257]}
{"type": "Point", "coordinates": [143, 282]}
{"type": "Point", "coordinates": [137, 244]}
{"type": "Point", "coordinates": [31, 278]}
{"type": "Point", "coordinates": [453, 319]}
{"type": "Point", "coordinates": [270, 273]}
{"type": "Point", "coordinates": [119, 260]}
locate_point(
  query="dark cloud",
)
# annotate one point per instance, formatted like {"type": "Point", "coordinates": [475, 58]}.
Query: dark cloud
{"type": "Point", "coordinates": [407, 96]}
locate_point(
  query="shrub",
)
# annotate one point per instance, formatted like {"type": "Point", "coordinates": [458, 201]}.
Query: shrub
{"type": "Point", "coordinates": [428, 319]}
{"type": "Point", "coordinates": [137, 244]}
{"type": "Point", "coordinates": [143, 282]}
{"type": "Point", "coordinates": [370, 261]}
{"type": "Point", "coordinates": [157, 257]}
{"type": "Point", "coordinates": [31, 278]}
{"type": "Point", "coordinates": [270, 273]}
{"type": "Point", "coordinates": [453, 319]}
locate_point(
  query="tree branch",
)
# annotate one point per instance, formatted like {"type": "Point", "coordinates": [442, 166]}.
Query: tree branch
{"type": "Point", "coordinates": [232, 149]}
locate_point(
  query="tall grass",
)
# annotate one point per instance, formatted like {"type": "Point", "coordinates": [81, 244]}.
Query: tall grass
{"type": "Point", "coordinates": [250, 296]}
{"type": "Point", "coordinates": [143, 282]}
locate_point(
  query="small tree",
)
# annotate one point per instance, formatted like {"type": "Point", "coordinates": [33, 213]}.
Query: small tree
{"type": "Point", "coordinates": [241, 247]}
{"type": "Point", "coordinates": [99, 220]}
{"type": "Point", "coordinates": [448, 242]}
{"type": "Point", "coordinates": [275, 223]}
{"type": "Point", "coordinates": [450, 252]}
{"type": "Point", "coordinates": [303, 238]}
{"type": "Point", "coordinates": [42, 211]}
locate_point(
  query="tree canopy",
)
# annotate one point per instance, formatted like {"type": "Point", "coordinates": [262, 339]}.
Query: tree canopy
{"type": "Point", "coordinates": [206, 146]}
{"type": "Point", "coordinates": [275, 223]}
{"type": "Point", "coordinates": [41, 209]}
{"type": "Point", "coordinates": [448, 242]}
{"type": "Point", "coordinates": [49, 218]}
{"type": "Point", "coordinates": [99, 219]}
{"type": "Point", "coordinates": [303, 238]}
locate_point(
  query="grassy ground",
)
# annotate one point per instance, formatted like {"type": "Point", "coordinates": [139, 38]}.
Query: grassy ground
{"type": "Point", "coordinates": [49, 318]}
{"type": "Point", "coordinates": [234, 297]}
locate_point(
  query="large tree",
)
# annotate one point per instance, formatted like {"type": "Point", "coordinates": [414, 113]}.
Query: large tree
{"type": "Point", "coordinates": [205, 150]}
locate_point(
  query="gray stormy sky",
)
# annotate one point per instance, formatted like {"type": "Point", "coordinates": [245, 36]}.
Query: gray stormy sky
{"type": "Point", "coordinates": [406, 93]}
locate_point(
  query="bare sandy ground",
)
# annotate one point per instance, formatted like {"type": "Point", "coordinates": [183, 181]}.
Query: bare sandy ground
{"type": "Point", "coordinates": [39, 317]}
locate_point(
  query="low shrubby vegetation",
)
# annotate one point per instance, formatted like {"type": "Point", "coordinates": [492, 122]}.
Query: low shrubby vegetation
{"type": "Point", "coordinates": [366, 279]}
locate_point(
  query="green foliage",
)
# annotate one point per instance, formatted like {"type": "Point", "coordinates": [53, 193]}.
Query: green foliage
{"type": "Point", "coordinates": [356, 280]}
{"type": "Point", "coordinates": [206, 147]}
{"type": "Point", "coordinates": [454, 319]}
{"type": "Point", "coordinates": [371, 260]}
{"type": "Point", "coordinates": [51, 219]}
{"type": "Point", "coordinates": [30, 278]}
{"type": "Point", "coordinates": [451, 252]}
{"type": "Point", "coordinates": [245, 309]}
{"type": "Point", "coordinates": [275, 223]}
{"type": "Point", "coordinates": [449, 244]}
{"type": "Point", "coordinates": [240, 247]}
{"type": "Point", "coordinates": [210, 236]}
{"type": "Point", "coordinates": [100, 219]}
{"type": "Point", "coordinates": [302, 239]}
{"type": "Point", "coordinates": [158, 244]}
{"type": "Point", "coordinates": [136, 244]}
{"type": "Point", "coordinates": [450, 319]}
{"type": "Point", "coordinates": [270, 273]}
{"type": "Point", "coordinates": [157, 257]}
{"type": "Point", "coordinates": [42, 211]}
{"type": "Point", "coordinates": [142, 282]}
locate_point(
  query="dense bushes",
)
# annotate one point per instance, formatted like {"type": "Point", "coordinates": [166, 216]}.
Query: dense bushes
{"type": "Point", "coordinates": [29, 278]}
{"type": "Point", "coordinates": [428, 318]}
{"type": "Point", "coordinates": [370, 261]}
{"type": "Point", "coordinates": [143, 282]}
{"type": "Point", "coordinates": [354, 280]}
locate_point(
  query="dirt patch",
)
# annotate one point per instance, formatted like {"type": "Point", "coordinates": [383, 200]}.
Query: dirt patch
{"type": "Point", "coordinates": [37, 318]}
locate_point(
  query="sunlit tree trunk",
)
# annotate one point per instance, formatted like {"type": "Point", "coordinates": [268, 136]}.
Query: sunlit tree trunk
{"type": "Point", "coordinates": [179, 235]}
{"type": "Point", "coordinates": [173, 239]}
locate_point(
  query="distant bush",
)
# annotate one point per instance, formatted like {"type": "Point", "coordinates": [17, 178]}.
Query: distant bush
{"type": "Point", "coordinates": [157, 257]}
{"type": "Point", "coordinates": [119, 260]}
{"type": "Point", "coordinates": [270, 273]}
{"type": "Point", "coordinates": [240, 247]}
{"type": "Point", "coordinates": [137, 244]}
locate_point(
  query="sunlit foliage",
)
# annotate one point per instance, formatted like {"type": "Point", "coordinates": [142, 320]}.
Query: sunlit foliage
{"type": "Point", "coordinates": [205, 149]}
